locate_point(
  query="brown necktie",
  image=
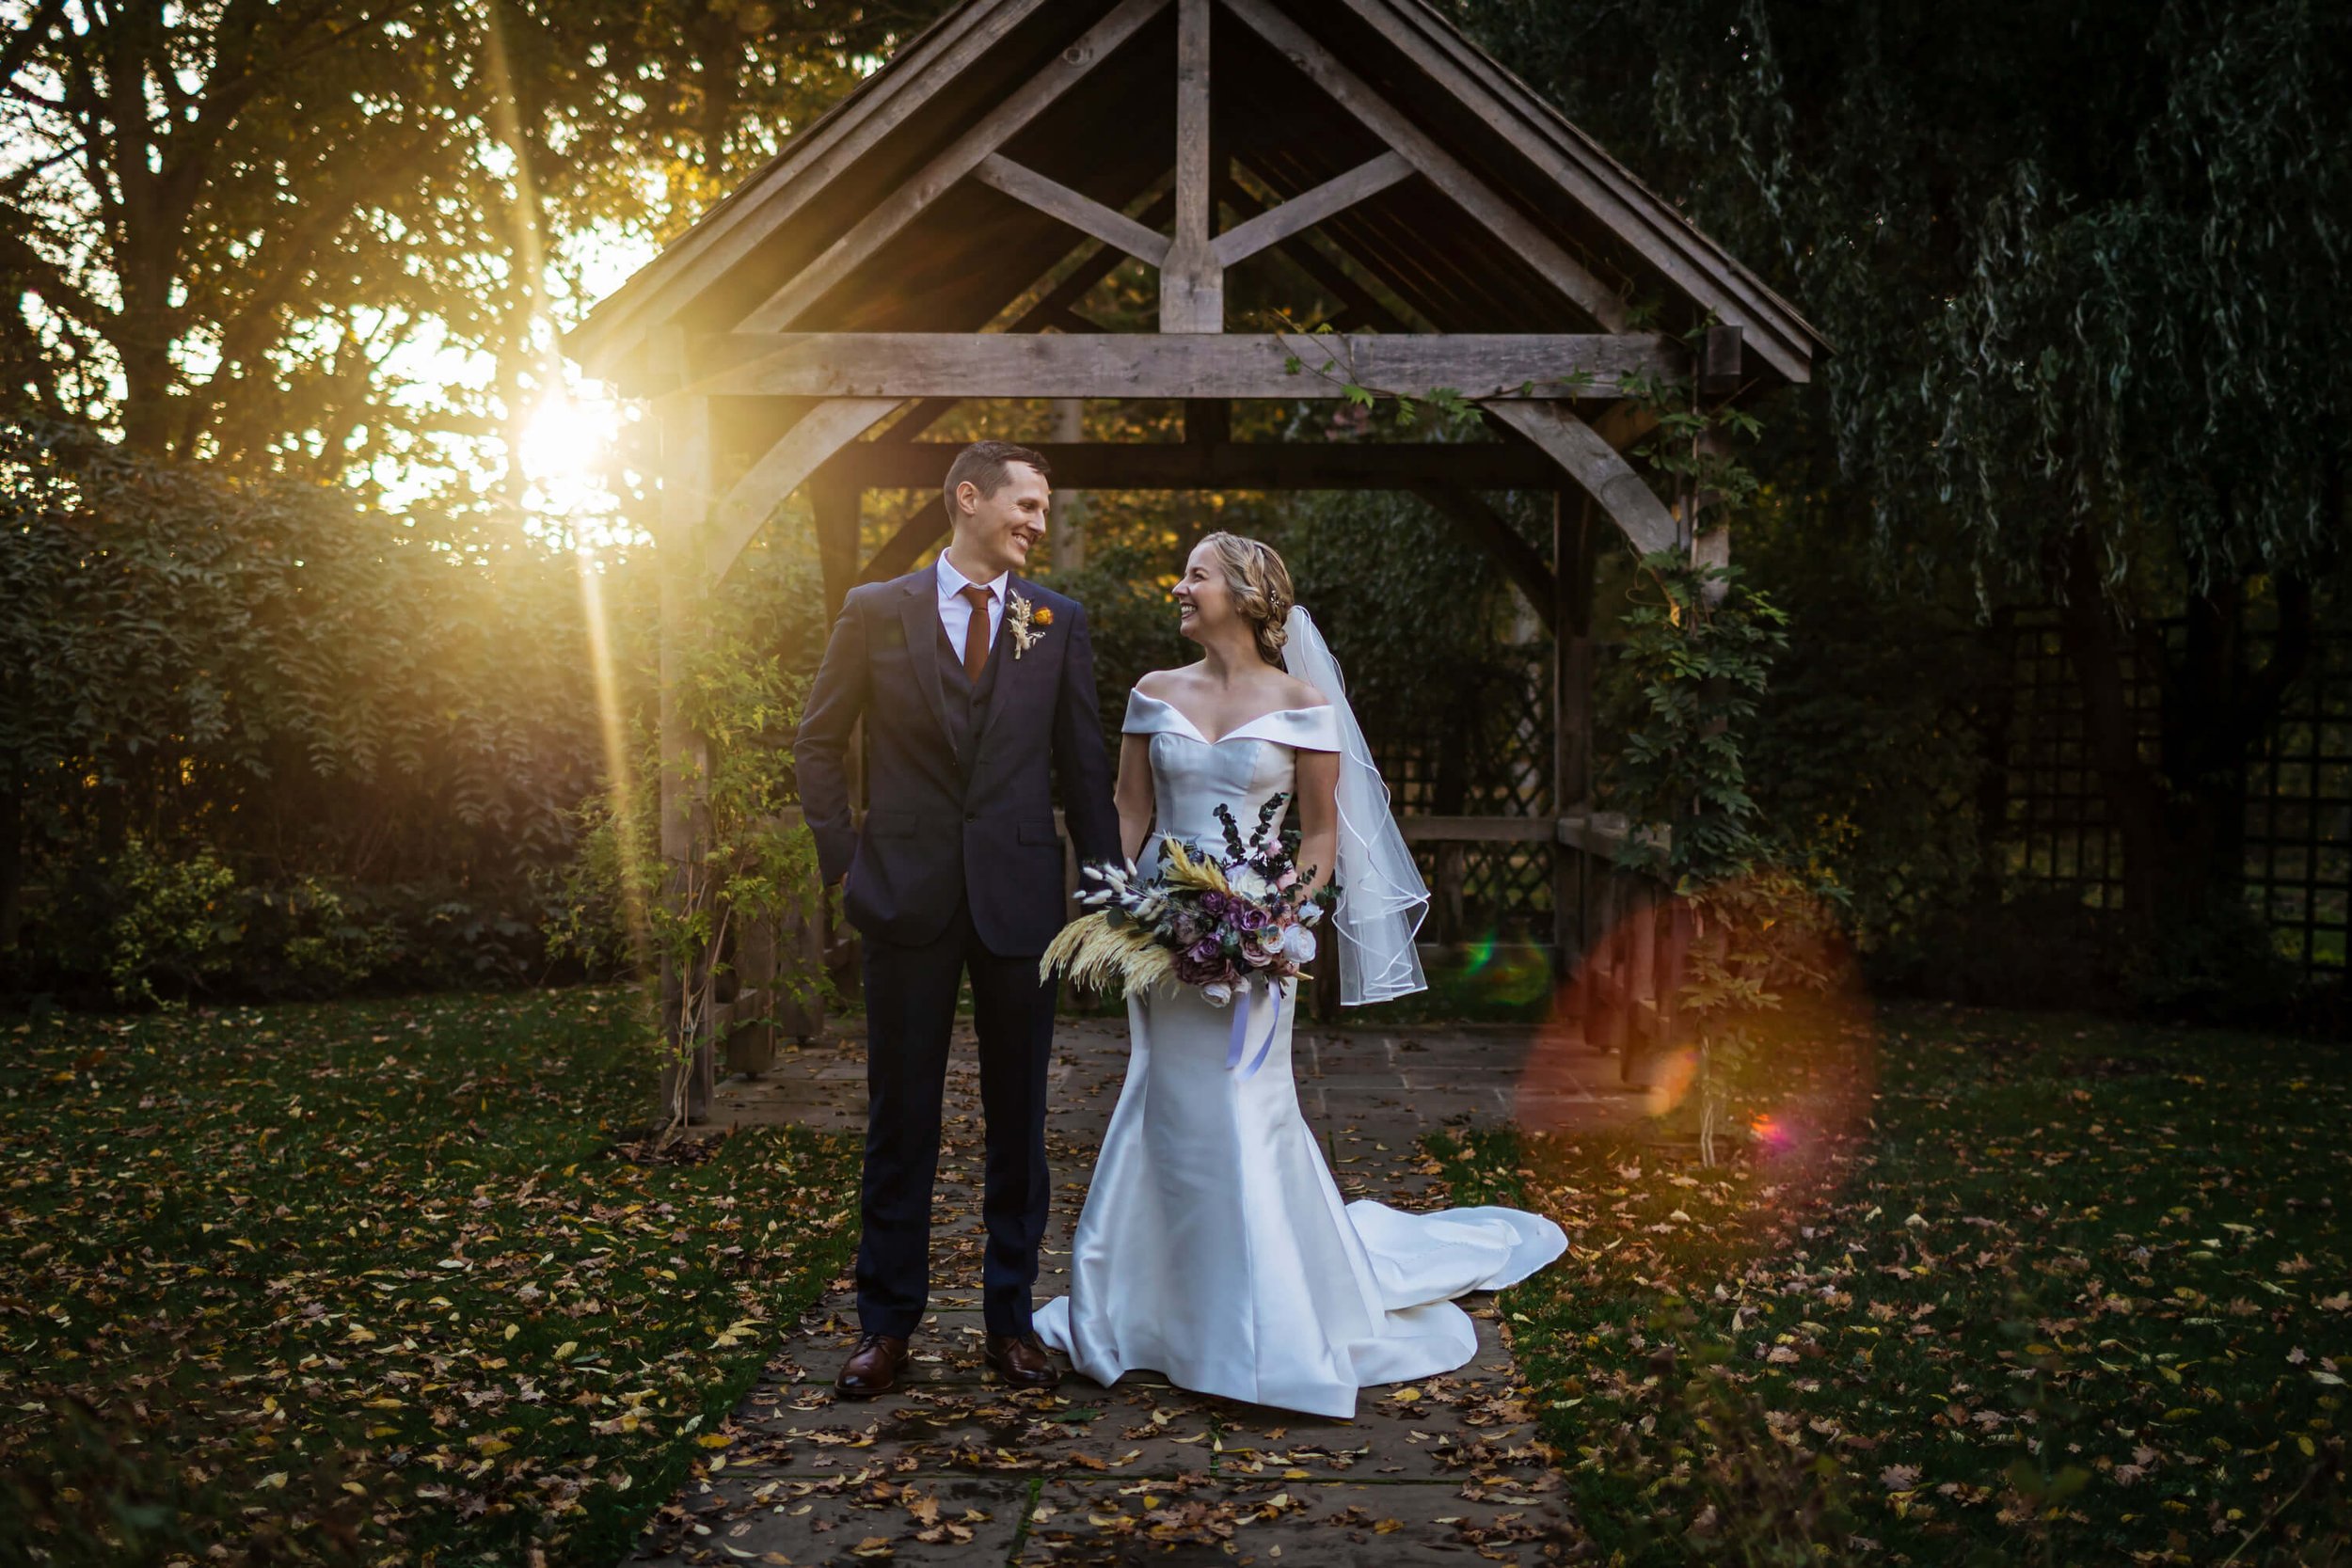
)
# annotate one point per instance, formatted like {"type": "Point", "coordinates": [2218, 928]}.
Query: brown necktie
{"type": "Point", "coordinates": [975, 634]}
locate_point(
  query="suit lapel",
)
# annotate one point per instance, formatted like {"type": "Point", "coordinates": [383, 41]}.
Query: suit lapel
{"type": "Point", "coordinates": [1014, 676]}
{"type": "Point", "coordinates": [918, 612]}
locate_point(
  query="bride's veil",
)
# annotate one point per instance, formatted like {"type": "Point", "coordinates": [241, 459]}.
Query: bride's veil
{"type": "Point", "coordinates": [1382, 899]}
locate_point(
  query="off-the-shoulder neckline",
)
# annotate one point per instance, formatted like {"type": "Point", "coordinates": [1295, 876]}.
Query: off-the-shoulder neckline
{"type": "Point", "coordinates": [1232, 734]}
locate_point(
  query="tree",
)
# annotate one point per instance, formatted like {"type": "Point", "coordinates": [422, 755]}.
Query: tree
{"type": "Point", "coordinates": [239, 230]}
{"type": "Point", "coordinates": [2074, 260]}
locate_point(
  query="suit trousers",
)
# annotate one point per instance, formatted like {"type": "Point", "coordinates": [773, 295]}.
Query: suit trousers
{"type": "Point", "coordinates": [910, 1013]}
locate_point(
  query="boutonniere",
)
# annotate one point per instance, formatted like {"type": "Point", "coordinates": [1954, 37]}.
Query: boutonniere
{"type": "Point", "coordinates": [1028, 622]}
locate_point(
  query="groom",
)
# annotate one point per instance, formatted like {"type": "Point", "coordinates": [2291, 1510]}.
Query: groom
{"type": "Point", "coordinates": [972, 683]}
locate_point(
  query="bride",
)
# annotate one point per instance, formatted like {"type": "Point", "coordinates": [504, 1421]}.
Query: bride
{"type": "Point", "coordinates": [1214, 1247]}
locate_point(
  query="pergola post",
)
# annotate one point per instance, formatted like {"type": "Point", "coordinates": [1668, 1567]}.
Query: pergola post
{"type": "Point", "coordinates": [1571, 726]}
{"type": "Point", "coordinates": [1192, 280]}
{"type": "Point", "coordinates": [1070, 506]}
{"type": "Point", "coordinates": [834, 505]}
{"type": "Point", "coordinates": [685, 753]}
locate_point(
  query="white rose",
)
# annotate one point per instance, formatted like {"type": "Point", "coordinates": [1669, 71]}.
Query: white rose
{"type": "Point", "coordinates": [1217, 993]}
{"type": "Point", "coordinates": [1298, 945]}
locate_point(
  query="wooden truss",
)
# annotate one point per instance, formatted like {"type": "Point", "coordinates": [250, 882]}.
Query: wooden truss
{"type": "Point", "coordinates": [815, 323]}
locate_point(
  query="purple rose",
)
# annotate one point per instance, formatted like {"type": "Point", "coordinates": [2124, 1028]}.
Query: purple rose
{"type": "Point", "coordinates": [1249, 917]}
{"type": "Point", "coordinates": [1202, 963]}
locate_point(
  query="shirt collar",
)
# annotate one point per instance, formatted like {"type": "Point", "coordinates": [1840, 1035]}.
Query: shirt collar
{"type": "Point", "coordinates": [952, 582]}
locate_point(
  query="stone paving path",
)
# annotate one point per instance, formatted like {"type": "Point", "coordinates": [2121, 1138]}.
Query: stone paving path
{"type": "Point", "coordinates": [956, 1469]}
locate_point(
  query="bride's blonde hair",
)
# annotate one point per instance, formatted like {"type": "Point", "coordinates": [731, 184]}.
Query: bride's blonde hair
{"type": "Point", "coordinates": [1259, 586]}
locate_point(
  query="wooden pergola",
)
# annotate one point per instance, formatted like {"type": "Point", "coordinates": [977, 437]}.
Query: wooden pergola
{"type": "Point", "coordinates": [932, 238]}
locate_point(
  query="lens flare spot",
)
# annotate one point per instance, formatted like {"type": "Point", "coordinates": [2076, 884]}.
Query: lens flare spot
{"type": "Point", "coordinates": [1672, 1081]}
{"type": "Point", "coordinates": [1788, 1077]}
{"type": "Point", "coordinates": [1478, 954]}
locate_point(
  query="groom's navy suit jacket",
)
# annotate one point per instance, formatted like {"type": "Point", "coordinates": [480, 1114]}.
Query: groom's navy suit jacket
{"type": "Point", "coordinates": [959, 804]}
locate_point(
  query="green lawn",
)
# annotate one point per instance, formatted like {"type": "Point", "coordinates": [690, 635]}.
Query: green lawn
{"type": "Point", "coordinates": [371, 1283]}
{"type": "Point", "coordinates": [1998, 1288]}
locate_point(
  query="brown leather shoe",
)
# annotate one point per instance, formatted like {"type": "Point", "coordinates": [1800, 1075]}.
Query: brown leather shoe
{"type": "Point", "coordinates": [873, 1367]}
{"type": "Point", "coordinates": [1021, 1359]}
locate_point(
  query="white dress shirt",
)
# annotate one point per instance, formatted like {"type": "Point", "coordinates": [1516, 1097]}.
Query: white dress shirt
{"type": "Point", "coordinates": [954, 611]}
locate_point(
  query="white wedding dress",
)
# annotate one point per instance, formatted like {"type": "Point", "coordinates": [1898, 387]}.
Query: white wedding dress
{"type": "Point", "coordinates": [1214, 1247]}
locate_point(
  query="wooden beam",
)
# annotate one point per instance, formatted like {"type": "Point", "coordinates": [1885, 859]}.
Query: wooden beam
{"type": "Point", "coordinates": [834, 508]}
{"type": "Point", "coordinates": [1079, 211]}
{"type": "Point", "coordinates": [1500, 367]}
{"type": "Point", "coordinates": [1571, 722]}
{"type": "Point", "coordinates": [683, 761]}
{"type": "Point", "coordinates": [1309, 208]}
{"type": "Point", "coordinates": [1057, 302]}
{"type": "Point", "coordinates": [1192, 280]}
{"type": "Point", "coordinates": [1596, 466]}
{"type": "Point", "coordinates": [1053, 309]}
{"type": "Point", "coordinates": [1360, 302]}
{"type": "Point", "coordinates": [918, 534]}
{"type": "Point", "coordinates": [775, 196]}
{"type": "Point", "coordinates": [1621, 425]}
{"type": "Point", "coordinates": [1538, 249]}
{"type": "Point", "coordinates": [1010, 114]}
{"type": "Point", "coordinates": [1068, 514]}
{"type": "Point", "coordinates": [1720, 360]}
{"type": "Point", "coordinates": [686, 463]}
{"type": "Point", "coordinates": [1660, 234]}
{"type": "Point", "coordinates": [920, 418]}
{"type": "Point", "coordinates": [1477, 830]}
{"type": "Point", "coordinates": [796, 454]}
{"type": "Point", "coordinates": [1522, 561]}
{"type": "Point", "coordinates": [885, 464]}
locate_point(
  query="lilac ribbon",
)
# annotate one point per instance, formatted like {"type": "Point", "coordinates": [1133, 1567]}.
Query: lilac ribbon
{"type": "Point", "coordinates": [1239, 1035]}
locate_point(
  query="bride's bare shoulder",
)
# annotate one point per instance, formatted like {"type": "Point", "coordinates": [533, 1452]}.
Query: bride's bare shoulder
{"type": "Point", "coordinates": [1163, 684]}
{"type": "Point", "coordinates": [1297, 693]}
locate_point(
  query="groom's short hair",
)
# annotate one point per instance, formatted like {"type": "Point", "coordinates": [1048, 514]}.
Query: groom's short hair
{"type": "Point", "coordinates": [988, 465]}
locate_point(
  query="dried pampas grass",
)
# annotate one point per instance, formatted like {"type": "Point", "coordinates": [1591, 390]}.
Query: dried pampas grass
{"type": "Point", "coordinates": [1094, 952]}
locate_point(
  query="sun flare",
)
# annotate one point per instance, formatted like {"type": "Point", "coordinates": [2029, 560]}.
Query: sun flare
{"type": "Point", "coordinates": [565, 441]}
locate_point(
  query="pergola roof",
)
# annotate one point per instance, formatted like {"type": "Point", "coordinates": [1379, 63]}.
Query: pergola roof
{"type": "Point", "coordinates": [928, 241]}
{"type": "Point", "coordinates": [1471, 204]}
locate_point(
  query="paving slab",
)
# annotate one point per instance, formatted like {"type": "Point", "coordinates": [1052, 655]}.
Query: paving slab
{"type": "Point", "coordinates": [955, 1467]}
{"type": "Point", "coordinates": [1322, 1523]}
{"type": "Point", "coordinates": [845, 1519]}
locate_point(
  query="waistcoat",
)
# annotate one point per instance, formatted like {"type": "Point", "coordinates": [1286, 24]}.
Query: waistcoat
{"type": "Point", "coordinates": [966, 703]}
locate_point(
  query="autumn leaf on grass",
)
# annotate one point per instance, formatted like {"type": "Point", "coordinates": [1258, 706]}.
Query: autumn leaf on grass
{"type": "Point", "coordinates": [1899, 1477]}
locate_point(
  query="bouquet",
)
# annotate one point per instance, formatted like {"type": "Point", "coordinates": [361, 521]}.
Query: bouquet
{"type": "Point", "coordinates": [1218, 924]}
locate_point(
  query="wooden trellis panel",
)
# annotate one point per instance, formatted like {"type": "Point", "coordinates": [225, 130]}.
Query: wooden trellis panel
{"type": "Point", "coordinates": [2299, 813]}
{"type": "Point", "coordinates": [2055, 831]}
{"type": "Point", "coordinates": [1505, 889]}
